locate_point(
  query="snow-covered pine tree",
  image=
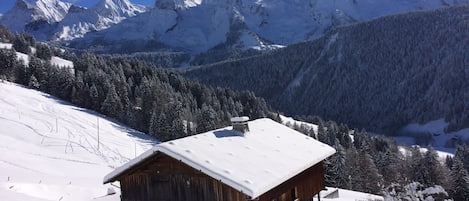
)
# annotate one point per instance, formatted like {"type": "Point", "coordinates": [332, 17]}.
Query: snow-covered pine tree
{"type": "Point", "coordinates": [460, 181]}
{"type": "Point", "coordinates": [373, 181]}
{"type": "Point", "coordinates": [434, 173]}
{"type": "Point", "coordinates": [33, 83]}
{"type": "Point", "coordinates": [462, 153]}
{"type": "Point", "coordinates": [336, 171]}
{"type": "Point", "coordinates": [206, 119]}
{"type": "Point", "coordinates": [112, 105]}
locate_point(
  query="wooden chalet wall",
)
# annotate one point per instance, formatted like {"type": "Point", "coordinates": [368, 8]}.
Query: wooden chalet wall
{"type": "Point", "coordinates": [162, 178]}
{"type": "Point", "coordinates": [302, 186]}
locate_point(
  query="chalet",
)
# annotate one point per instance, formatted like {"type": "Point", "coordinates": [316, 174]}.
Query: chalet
{"type": "Point", "coordinates": [255, 160]}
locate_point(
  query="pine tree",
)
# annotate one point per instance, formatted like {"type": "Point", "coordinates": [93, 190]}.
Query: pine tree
{"type": "Point", "coordinates": [427, 169]}
{"type": "Point", "coordinates": [33, 83]}
{"type": "Point", "coordinates": [413, 164]}
{"type": "Point", "coordinates": [449, 161]}
{"type": "Point", "coordinates": [43, 52]}
{"type": "Point", "coordinates": [389, 165]}
{"type": "Point", "coordinates": [162, 130]}
{"type": "Point", "coordinates": [354, 180]}
{"type": "Point", "coordinates": [323, 134]}
{"type": "Point", "coordinates": [8, 62]}
{"type": "Point", "coordinates": [462, 153]}
{"type": "Point", "coordinates": [112, 105]}
{"type": "Point", "coordinates": [21, 44]}
{"type": "Point", "coordinates": [206, 120]}
{"type": "Point", "coordinates": [153, 129]}
{"type": "Point", "coordinates": [94, 95]}
{"type": "Point", "coordinates": [336, 172]}
{"type": "Point", "coordinates": [176, 117]}
{"type": "Point", "coordinates": [372, 180]}
{"type": "Point", "coordinates": [460, 181]}
{"type": "Point", "coordinates": [359, 139]}
{"type": "Point", "coordinates": [433, 172]}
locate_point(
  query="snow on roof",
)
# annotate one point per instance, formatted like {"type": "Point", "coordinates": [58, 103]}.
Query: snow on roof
{"type": "Point", "coordinates": [239, 119]}
{"type": "Point", "coordinates": [268, 155]}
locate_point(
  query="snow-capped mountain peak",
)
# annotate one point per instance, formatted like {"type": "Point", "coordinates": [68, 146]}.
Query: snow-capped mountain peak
{"type": "Point", "coordinates": [118, 8]}
{"type": "Point", "coordinates": [177, 4]}
{"type": "Point", "coordinates": [64, 21]}
{"type": "Point", "coordinates": [200, 25]}
{"type": "Point", "coordinates": [53, 10]}
{"type": "Point", "coordinates": [104, 14]}
{"type": "Point", "coordinates": [24, 12]}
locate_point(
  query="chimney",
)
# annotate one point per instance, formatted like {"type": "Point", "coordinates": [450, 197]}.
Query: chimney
{"type": "Point", "coordinates": [240, 124]}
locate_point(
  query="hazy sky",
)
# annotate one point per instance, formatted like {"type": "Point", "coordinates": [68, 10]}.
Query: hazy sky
{"type": "Point", "coordinates": [6, 5]}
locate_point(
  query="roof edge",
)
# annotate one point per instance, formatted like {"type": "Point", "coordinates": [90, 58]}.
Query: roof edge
{"type": "Point", "coordinates": [331, 152]}
{"type": "Point", "coordinates": [112, 176]}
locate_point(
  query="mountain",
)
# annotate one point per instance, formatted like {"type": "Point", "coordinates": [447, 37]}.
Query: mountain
{"type": "Point", "coordinates": [80, 21]}
{"type": "Point", "coordinates": [198, 26]}
{"type": "Point", "coordinates": [56, 20]}
{"type": "Point", "coordinates": [25, 12]}
{"type": "Point", "coordinates": [380, 75]}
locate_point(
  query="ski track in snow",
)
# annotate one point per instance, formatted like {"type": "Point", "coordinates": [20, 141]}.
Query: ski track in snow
{"type": "Point", "coordinates": [48, 140]}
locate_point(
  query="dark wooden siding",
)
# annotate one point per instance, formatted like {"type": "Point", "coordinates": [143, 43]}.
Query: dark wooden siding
{"type": "Point", "coordinates": [163, 178]}
{"type": "Point", "coordinates": [302, 186]}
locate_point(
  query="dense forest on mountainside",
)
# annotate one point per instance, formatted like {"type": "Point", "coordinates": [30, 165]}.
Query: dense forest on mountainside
{"type": "Point", "coordinates": [152, 100]}
{"type": "Point", "coordinates": [377, 164]}
{"type": "Point", "coordinates": [181, 59]}
{"type": "Point", "coordinates": [379, 75]}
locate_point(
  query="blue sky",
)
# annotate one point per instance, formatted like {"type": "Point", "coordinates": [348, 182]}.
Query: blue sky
{"type": "Point", "coordinates": [6, 5]}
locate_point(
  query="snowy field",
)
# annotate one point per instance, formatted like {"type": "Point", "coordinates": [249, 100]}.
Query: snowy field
{"type": "Point", "coordinates": [55, 61]}
{"type": "Point", "coordinates": [5, 45]}
{"type": "Point", "coordinates": [49, 148]}
{"type": "Point", "coordinates": [436, 130]}
{"type": "Point", "coordinates": [63, 63]}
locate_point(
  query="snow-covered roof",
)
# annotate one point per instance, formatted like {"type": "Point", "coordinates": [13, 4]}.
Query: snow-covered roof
{"type": "Point", "coordinates": [253, 163]}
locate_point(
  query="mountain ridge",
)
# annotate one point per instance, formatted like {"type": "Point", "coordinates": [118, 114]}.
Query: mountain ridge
{"type": "Point", "coordinates": [379, 75]}
{"type": "Point", "coordinates": [24, 12]}
{"type": "Point", "coordinates": [57, 20]}
{"type": "Point", "coordinates": [200, 26]}
{"type": "Point", "coordinates": [99, 17]}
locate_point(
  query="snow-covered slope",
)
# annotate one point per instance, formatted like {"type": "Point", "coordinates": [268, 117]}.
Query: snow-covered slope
{"type": "Point", "coordinates": [25, 12]}
{"type": "Point", "coordinates": [51, 149]}
{"type": "Point", "coordinates": [200, 25]}
{"type": "Point", "coordinates": [55, 61]}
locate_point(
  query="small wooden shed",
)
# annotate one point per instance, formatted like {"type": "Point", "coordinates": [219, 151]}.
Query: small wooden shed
{"type": "Point", "coordinates": [266, 162]}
